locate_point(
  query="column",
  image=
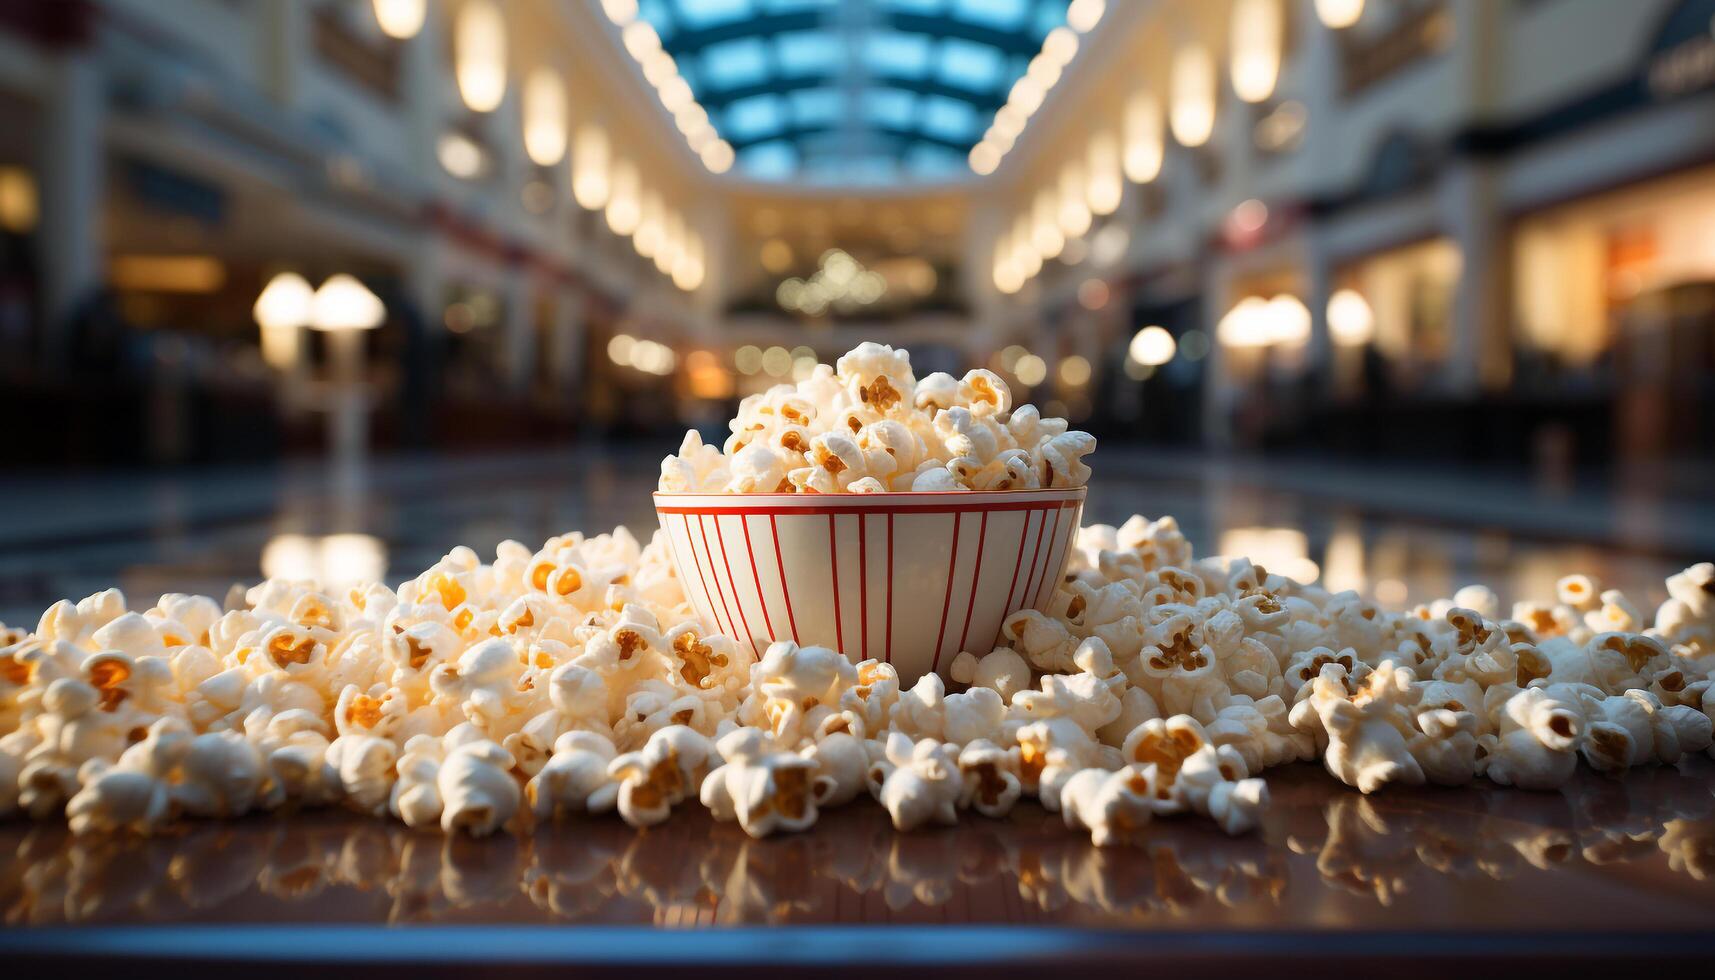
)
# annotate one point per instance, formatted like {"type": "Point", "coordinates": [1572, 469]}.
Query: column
{"type": "Point", "coordinates": [71, 176]}
{"type": "Point", "coordinates": [1480, 351]}
{"type": "Point", "coordinates": [518, 329]}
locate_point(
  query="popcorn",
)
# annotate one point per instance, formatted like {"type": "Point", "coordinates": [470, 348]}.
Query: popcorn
{"type": "Point", "coordinates": [763, 788]}
{"type": "Point", "coordinates": [868, 425]}
{"type": "Point", "coordinates": [577, 678]}
{"type": "Point", "coordinates": [575, 779]}
{"type": "Point", "coordinates": [1536, 745]}
{"type": "Point", "coordinates": [920, 783]}
{"type": "Point", "coordinates": [1112, 806]}
{"type": "Point", "coordinates": [1366, 728]}
{"type": "Point", "coordinates": [668, 768]}
{"type": "Point", "coordinates": [478, 792]}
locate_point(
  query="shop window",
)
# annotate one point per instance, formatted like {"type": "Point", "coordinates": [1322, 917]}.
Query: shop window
{"type": "Point", "coordinates": [1408, 293]}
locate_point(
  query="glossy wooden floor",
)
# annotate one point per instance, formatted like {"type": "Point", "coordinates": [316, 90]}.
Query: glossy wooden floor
{"type": "Point", "coordinates": [1608, 876]}
{"type": "Point", "coordinates": [1610, 866]}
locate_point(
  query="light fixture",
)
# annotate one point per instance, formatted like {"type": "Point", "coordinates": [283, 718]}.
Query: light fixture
{"type": "Point", "coordinates": [1192, 116]}
{"type": "Point", "coordinates": [1288, 320]}
{"type": "Point", "coordinates": [400, 19]}
{"type": "Point", "coordinates": [1025, 257]}
{"type": "Point", "coordinates": [1152, 346]}
{"type": "Point", "coordinates": [1105, 187]}
{"type": "Point", "coordinates": [1339, 14]}
{"type": "Point", "coordinates": [1083, 15]}
{"type": "Point", "coordinates": [479, 43]}
{"type": "Point", "coordinates": [1027, 95]}
{"type": "Point", "coordinates": [640, 39]}
{"type": "Point", "coordinates": [344, 303]}
{"type": "Point", "coordinates": [1350, 320]}
{"type": "Point", "coordinates": [1061, 45]}
{"type": "Point", "coordinates": [621, 12]}
{"type": "Point", "coordinates": [1256, 41]}
{"type": "Point", "coordinates": [624, 204]}
{"type": "Point", "coordinates": [1030, 370]}
{"type": "Point", "coordinates": [984, 158]}
{"type": "Point", "coordinates": [717, 157]}
{"type": "Point", "coordinates": [659, 67]}
{"type": "Point", "coordinates": [1073, 212]}
{"type": "Point", "coordinates": [1045, 233]}
{"type": "Point", "coordinates": [672, 243]}
{"type": "Point", "coordinates": [675, 94]}
{"type": "Point", "coordinates": [460, 155]}
{"type": "Point", "coordinates": [1143, 138]}
{"type": "Point", "coordinates": [284, 304]}
{"type": "Point", "coordinates": [688, 269]}
{"type": "Point", "coordinates": [590, 179]}
{"type": "Point", "coordinates": [544, 113]}
{"type": "Point", "coordinates": [1075, 371]}
{"type": "Point", "coordinates": [651, 225]}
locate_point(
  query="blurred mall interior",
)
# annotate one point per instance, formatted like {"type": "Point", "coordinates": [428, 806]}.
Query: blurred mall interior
{"type": "Point", "coordinates": [1333, 238]}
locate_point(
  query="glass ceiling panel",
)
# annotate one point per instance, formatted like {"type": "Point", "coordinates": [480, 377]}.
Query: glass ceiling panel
{"type": "Point", "coordinates": [852, 91]}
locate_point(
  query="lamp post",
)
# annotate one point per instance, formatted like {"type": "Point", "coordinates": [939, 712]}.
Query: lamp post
{"type": "Point", "coordinates": [345, 310]}
{"type": "Point", "coordinates": [282, 311]}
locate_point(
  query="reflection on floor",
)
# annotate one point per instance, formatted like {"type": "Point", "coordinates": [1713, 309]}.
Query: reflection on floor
{"type": "Point", "coordinates": [1327, 858]}
{"type": "Point", "coordinates": [1396, 536]}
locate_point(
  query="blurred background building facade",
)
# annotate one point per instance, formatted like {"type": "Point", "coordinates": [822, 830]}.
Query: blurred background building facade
{"type": "Point", "coordinates": [1480, 230]}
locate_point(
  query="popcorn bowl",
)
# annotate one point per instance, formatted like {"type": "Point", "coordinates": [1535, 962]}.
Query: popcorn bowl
{"type": "Point", "coordinates": [908, 578]}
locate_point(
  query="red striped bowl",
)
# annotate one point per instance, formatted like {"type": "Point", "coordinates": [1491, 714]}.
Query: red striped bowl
{"type": "Point", "coordinates": [910, 578]}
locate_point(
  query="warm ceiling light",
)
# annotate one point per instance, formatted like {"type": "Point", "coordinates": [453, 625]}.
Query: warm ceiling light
{"type": "Point", "coordinates": [672, 243]}
{"type": "Point", "coordinates": [344, 303]}
{"type": "Point", "coordinates": [651, 225]}
{"type": "Point", "coordinates": [1045, 231]}
{"type": "Point", "coordinates": [284, 303]}
{"type": "Point", "coordinates": [1106, 186]}
{"type": "Point", "coordinates": [640, 39]}
{"type": "Point", "coordinates": [590, 181]}
{"type": "Point", "coordinates": [1152, 346]}
{"type": "Point", "coordinates": [479, 37]}
{"type": "Point", "coordinates": [1350, 319]}
{"type": "Point", "coordinates": [461, 156]}
{"type": "Point", "coordinates": [690, 118]}
{"type": "Point", "coordinates": [1026, 95]}
{"type": "Point", "coordinates": [688, 270]}
{"type": "Point", "coordinates": [1061, 44]}
{"type": "Point", "coordinates": [1009, 121]}
{"type": "Point", "coordinates": [676, 94]}
{"type": "Point", "coordinates": [659, 67]}
{"type": "Point", "coordinates": [1288, 320]}
{"type": "Point", "coordinates": [699, 139]}
{"type": "Point", "coordinates": [717, 157]}
{"type": "Point", "coordinates": [621, 12]}
{"type": "Point", "coordinates": [1192, 116]}
{"type": "Point", "coordinates": [1025, 258]}
{"type": "Point", "coordinates": [1083, 15]}
{"type": "Point", "coordinates": [544, 112]}
{"type": "Point", "coordinates": [624, 207]}
{"type": "Point", "coordinates": [1338, 14]}
{"type": "Point", "coordinates": [1143, 140]}
{"type": "Point", "coordinates": [1073, 211]}
{"type": "Point", "coordinates": [984, 158]}
{"type": "Point", "coordinates": [1256, 40]}
{"type": "Point", "coordinates": [400, 19]}
{"type": "Point", "coordinates": [1045, 70]}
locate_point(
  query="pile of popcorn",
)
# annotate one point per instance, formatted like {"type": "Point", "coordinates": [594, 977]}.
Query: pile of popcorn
{"type": "Point", "coordinates": [868, 425]}
{"type": "Point", "coordinates": [577, 679]}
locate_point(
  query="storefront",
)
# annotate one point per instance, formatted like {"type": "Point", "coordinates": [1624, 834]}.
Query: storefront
{"type": "Point", "coordinates": [1615, 297]}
